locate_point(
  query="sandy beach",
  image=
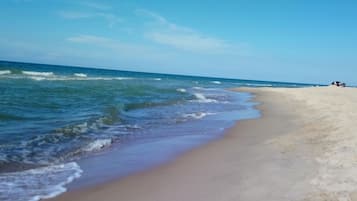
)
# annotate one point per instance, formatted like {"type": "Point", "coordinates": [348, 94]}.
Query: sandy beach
{"type": "Point", "coordinates": [302, 148]}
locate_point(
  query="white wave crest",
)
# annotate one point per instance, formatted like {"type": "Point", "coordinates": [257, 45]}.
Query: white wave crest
{"type": "Point", "coordinates": [98, 145]}
{"type": "Point", "coordinates": [83, 78]}
{"type": "Point", "coordinates": [37, 78]}
{"type": "Point", "coordinates": [216, 82]}
{"type": "Point", "coordinates": [197, 115]}
{"type": "Point", "coordinates": [5, 72]}
{"type": "Point", "coordinates": [78, 78]}
{"type": "Point", "coordinates": [34, 73]}
{"type": "Point", "coordinates": [36, 184]}
{"type": "Point", "coordinates": [80, 75]}
{"type": "Point", "coordinates": [181, 90]}
{"type": "Point", "coordinates": [123, 78]}
{"type": "Point", "coordinates": [205, 89]}
{"type": "Point", "coordinates": [50, 76]}
{"type": "Point", "coordinates": [202, 99]}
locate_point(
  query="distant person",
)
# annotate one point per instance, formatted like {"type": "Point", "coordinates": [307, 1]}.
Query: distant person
{"type": "Point", "coordinates": [338, 84]}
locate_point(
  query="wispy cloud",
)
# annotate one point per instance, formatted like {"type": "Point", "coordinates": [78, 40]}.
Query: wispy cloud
{"type": "Point", "coordinates": [164, 32]}
{"type": "Point", "coordinates": [105, 42]}
{"type": "Point", "coordinates": [160, 20]}
{"type": "Point", "coordinates": [95, 5]}
{"type": "Point", "coordinates": [109, 17]}
{"type": "Point", "coordinates": [122, 49]}
{"type": "Point", "coordinates": [163, 44]}
{"type": "Point", "coordinates": [161, 31]}
{"type": "Point", "coordinates": [189, 41]}
{"type": "Point", "coordinates": [91, 10]}
{"type": "Point", "coordinates": [74, 14]}
{"type": "Point", "coordinates": [91, 39]}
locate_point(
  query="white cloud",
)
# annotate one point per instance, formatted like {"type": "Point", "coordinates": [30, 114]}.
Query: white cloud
{"type": "Point", "coordinates": [164, 45]}
{"type": "Point", "coordinates": [156, 16]}
{"type": "Point", "coordinates": [92, 9]}
{"type": "Point", "coordinates": [162, 31]}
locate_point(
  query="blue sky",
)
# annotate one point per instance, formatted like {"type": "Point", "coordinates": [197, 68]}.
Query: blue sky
{"type": "Point", "coordinates": [286, 40]}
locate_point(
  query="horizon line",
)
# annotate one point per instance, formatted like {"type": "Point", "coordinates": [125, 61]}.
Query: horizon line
{"type": "Point", "coordinates": [169, 74]}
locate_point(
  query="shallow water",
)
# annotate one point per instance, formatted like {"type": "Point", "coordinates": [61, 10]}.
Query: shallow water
{"type": "Point", "coordinates": [55, 121]}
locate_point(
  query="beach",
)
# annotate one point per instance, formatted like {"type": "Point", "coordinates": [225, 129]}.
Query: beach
{"type": "Point", "coordinates": [68, 128]}
{"type": "Point", "coordinates": [302, 148]}
{"type": "Point", "coordinates": [178, 101]}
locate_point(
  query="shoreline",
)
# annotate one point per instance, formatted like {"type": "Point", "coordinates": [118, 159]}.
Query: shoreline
{"type": "Point", "coordinates": [284, 155]}
{"type": "Point", "coordinates": [120, 161]}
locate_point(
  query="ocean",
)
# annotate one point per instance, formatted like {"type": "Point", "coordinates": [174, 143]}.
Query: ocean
{"type": "Point", "coordinates": [66, 126]}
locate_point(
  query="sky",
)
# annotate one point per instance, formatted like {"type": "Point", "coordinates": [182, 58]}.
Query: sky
{"type": "Point", "coordinates": [277, 40]}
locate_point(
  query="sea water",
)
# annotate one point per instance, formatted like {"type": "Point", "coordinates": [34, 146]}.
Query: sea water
{"type": "Point", "coordinates": [54, 120]}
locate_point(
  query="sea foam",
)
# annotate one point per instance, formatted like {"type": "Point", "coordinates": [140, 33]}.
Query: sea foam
{"type": "Point", "coordinates": [216, 82]}
{"type": "Point", "coordinates": [197, 115]}
{"type": "Point", "coordinates": [203, 99]}
{"type": "Point", "coordinates": [98, 145]}
{"type": "Point", "coordinates": [34, 73]}
{"type": "Point", "coordinates": [5, 72]}
{"type": "Point", "coordinates": [37, 78]}
{"type": "Point", "coordinates": [181, 90]}
{"type": "Point", "coordinates": [50, 76]}
{"type": "Point", "coordinates": [36, 184]}
{"type": "Point", "coordinates": [80, 75]}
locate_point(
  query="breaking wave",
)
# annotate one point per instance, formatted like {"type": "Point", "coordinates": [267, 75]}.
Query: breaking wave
{"type": "Point", "coordinates": [203, 99]}
{"type": "Point", "coordinates": [181, 90]}
{"type": "Point", "coordinates": [50, 76]}
{"type": "Point", "coordinates": [80, 75]}
{"type": "Point", "coordinates": [36, 184]}
{"type": "Point", "coordinates": [5, 72]}
{"type": "Point", "coordinates": [34, 73]}
{"type": "Point", "coordinates": [98, 145]}
{"type": "Point", "coordinates": [216, 82]}
{"type": "Point", "coordinates": [197, 115]}
{"type": "Point", "coordinates": [78, 78]}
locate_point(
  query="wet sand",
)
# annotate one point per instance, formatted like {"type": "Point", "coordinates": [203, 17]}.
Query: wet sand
{"type": "Point", "coordinates": [304, 147]}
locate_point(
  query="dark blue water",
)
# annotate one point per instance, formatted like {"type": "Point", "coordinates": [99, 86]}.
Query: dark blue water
{"type": "Point", "coordinates": [51, 117]}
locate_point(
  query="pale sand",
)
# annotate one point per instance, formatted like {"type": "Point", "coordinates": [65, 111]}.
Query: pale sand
{"type": "Point", "coordinates": [303, 148]}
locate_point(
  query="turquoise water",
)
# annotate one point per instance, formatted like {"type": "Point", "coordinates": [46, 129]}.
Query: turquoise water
{"type": "Point", "coordinates": [51, 117]}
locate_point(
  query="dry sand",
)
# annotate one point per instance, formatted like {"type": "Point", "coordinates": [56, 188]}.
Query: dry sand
{"type": "Point", "coordinates": [303, 148]}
